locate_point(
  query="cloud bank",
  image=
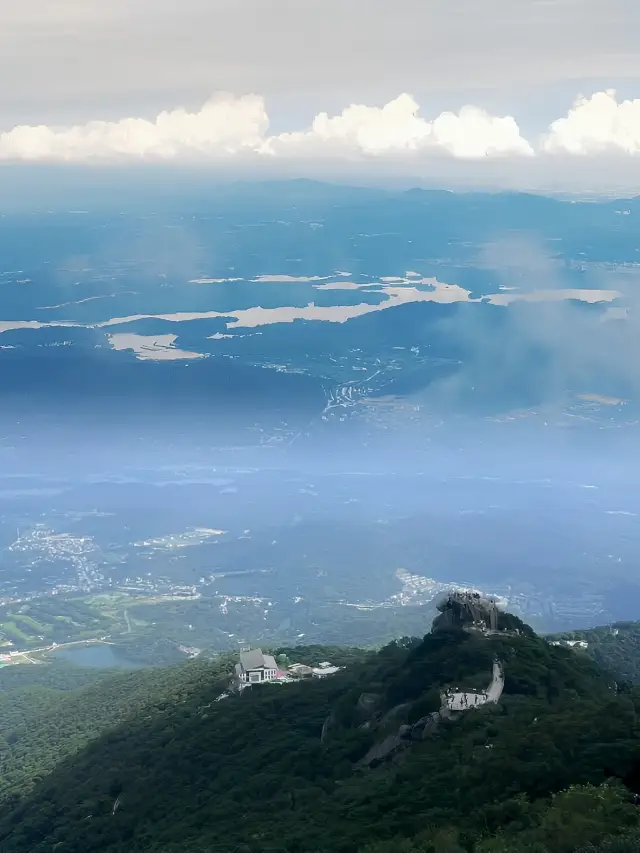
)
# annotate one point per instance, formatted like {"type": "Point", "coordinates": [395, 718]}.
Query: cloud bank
{"type": "Point", "coordinates": [224, 125]}
{"type": "Point", "coordinates": [398, 127]}
{"type": "Point", "coordinates": [229, 126]}
{"type": "Point", "coordinates": [597, 124]}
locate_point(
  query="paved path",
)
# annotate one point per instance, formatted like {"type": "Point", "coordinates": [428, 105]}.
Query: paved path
{"type": "Point", "coordinates": [497, 683]}
{"type": "Point", "coordinates": [459, 701]}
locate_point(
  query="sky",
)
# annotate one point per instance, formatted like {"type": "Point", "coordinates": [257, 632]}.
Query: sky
{"type": "Point", "coordinates": [544, 89]}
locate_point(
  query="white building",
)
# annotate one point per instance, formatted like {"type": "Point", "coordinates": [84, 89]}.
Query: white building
{"type": "Point", "coordinates": [255, 667]}
{"type": "Point", "coordinates": [300, 669]}
{"type": "Point", "coordinates": [323, 669]}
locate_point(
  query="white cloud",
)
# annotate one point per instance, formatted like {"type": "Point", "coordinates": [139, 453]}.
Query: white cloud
{"type": "Point", "coordinates": [224, 125]}
{"type": "Point", "coordinates": [229, 125]}
{"type": "Point", "coordinates": [395, 133]}
{"type": "Point", "coordinates": [397, 127]}
{"type": "Point", "coordinates": [596, 124]}
{"type": "Point", "coordinates": [475, 133]}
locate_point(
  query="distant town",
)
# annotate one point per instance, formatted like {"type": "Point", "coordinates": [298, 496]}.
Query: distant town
{"type": "Point", "coordinates": [60, 588]}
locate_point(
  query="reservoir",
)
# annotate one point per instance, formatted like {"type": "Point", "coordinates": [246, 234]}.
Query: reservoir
{"type": "Point", "coordinates": [97, 656]}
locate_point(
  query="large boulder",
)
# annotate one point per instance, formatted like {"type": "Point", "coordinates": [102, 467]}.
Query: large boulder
{"type": "Point", "coordinates": [394, 713]}
{"type": "Point", "coordinates": [367, 703]}
{"type": "Point", "coordinates": [385, 750]}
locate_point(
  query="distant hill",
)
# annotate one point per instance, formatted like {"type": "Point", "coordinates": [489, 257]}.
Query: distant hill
{"type": "Point", "coordinates": [369, 759]}
{"type": "Point", "coordinates": [615, 647]}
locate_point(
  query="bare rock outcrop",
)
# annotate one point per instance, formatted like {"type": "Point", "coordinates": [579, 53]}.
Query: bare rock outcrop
{"type": "Point", "coordinates": [385, 750]}
{"type": "Point", "coordinates": [367, 703]}
{"type": "Point", "coordinates": [326, 726]}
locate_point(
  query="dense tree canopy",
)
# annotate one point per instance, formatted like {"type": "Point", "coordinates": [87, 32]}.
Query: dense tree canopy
{"type": "Point", "coordinates": [150, 761]}
{"type": "Point", "coordinates": [615, 647]}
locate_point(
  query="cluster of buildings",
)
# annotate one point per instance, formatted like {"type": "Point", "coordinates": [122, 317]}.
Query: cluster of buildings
{"type": "Point", "coordinates": [256, 667]}
{"type": "Point", "coordinates": [571, 644]}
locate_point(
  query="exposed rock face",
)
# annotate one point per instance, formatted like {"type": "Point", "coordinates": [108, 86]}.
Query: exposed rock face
{"type": "Point", "coordinates": [467, 613]}
{"type": "Point", "coordinates": [325, 727]}
{"type": "Point", "coordinates": [425, 726]}
{"type": "Point", "coordinates": [389, 748]}
{"type": "Point", "coordinates": [467, 610]}
{"type": "Point", "coordinates": [394, 712]}
{"type": "Point", "coordinates": [367, 703]}
{"type": "Point", "coordinates": [384, 750]}
{"type": "Point", "coordinates": [432, 723]}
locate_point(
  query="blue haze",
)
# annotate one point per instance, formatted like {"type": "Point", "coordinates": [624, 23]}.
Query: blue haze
{"type": "Point", "coordinates": [495, 445]}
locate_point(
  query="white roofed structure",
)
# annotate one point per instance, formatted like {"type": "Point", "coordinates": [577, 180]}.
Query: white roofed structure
{"type": "Point", "coordinates": [255, 667]}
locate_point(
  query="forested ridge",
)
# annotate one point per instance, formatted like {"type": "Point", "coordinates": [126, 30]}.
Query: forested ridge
{"type": "Point", "coordinates": [615, 647]}
{"type": "Point", "coordinates": [157, 764]}
{"type": "Point", "coordinates": [40, 724]}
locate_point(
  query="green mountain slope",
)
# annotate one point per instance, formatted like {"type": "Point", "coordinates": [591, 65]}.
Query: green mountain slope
{"type": "Point", "coordinates": [50, 712]}
{"type": "Point", "coordinates": [615, 647]}
{"type": "Point", "coordinates": [365, 760]}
